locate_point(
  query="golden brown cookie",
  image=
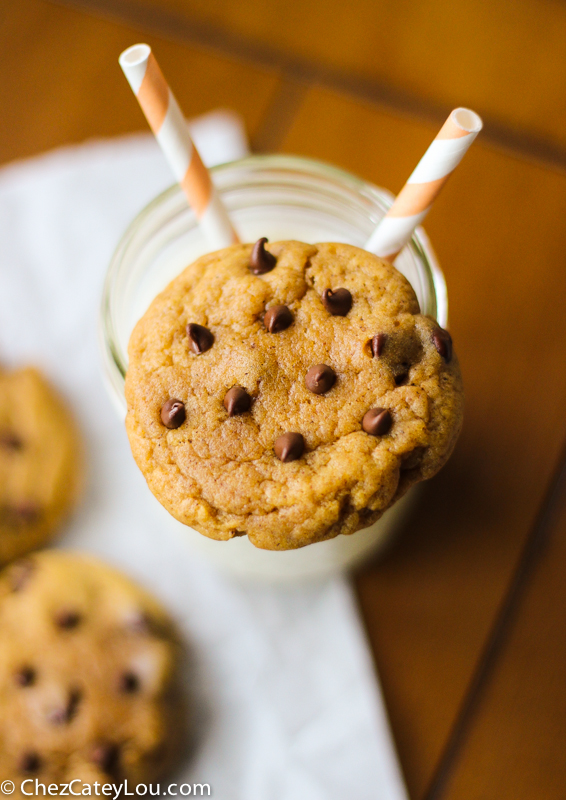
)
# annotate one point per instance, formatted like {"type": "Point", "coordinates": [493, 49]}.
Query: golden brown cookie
{"type": "Point", "coordinates": [87, 675]}
{"type": "Point", "coordinates": [289, 398]}
{"type": "Point", "coordinates": [40, 470]}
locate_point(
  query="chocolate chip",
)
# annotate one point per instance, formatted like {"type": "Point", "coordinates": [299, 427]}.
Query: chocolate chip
{"type": "Point", "coordinates": [27, 511]}
{"type": "Point", "coordinates": [338, 302]}
{"type": "Point", "coordinates": [105, 756]}
{"type": "Point", "coordinates": [25, 676]}
{"type": "Point", "coordinates": [378, 343]}
{"type": "Point", "coordinates": [377, 421]}
{"type": "Point", "coordinates": [57, 716]}
{"type": "Point", "coordinates": [173, 413]}
{"type": "Point", "coordinates": [237, 401]}
{"type": "Point", "coordinates": [289, 447]}
{"type": "Point", "coordinates": [62, 716]}
{"type": "Point", "coordinates": [277, 318]}
{"type": "Point", "coordinates": [129, 683]}
{"type": "Point", "coordinates": [30, 762]}
{"type": "Point", "coordinates": [10, 441]}
{"type": "Point", "coordinates": [320, 378]}
{"type": "Point", "coordinates": [68, 620]}
{"type": "Point", "coordinates": [20, 573]}
{"type": "Point", "coordinates": [141, 622]}
{"type": "Point", "coordinates": [200, 338]}
{"type": "Point", "coordinates": [75, 698]}
{"type": "Point", "coordinates": [261, 260]}
{"type": "Point", "coordinates": [443, 343]}
{"type": "Point", "coordinates": [17, 514]}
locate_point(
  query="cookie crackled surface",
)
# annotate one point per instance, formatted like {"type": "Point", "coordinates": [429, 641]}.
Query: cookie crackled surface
{"type": "Point", "coordinates": [351, 395]}
{"type": "Point", "coordinates": [40, 462]}
{"type": "Point", "coordinates": [88, 676]}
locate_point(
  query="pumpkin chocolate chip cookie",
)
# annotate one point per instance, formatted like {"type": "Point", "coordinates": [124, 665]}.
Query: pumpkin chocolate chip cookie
{"type": "Point", "coordinates": [40, 470]}
{"type": "Point", "coordinates": [291, 392]}
{"type": "Point", "coordinates": [87, 675]}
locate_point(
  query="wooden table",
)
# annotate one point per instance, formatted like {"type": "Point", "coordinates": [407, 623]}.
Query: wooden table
{"type": "Point", "coordinates": [466, 611]}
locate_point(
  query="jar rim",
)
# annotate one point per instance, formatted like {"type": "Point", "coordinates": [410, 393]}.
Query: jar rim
{"type": "Point", "coordinates": [292, 165]}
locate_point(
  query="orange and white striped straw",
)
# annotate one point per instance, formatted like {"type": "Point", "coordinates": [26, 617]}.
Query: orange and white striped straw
{"type": "Point", "coordinates": [415, 199]}
{"type": "Point", "coordinates": [170, 128]}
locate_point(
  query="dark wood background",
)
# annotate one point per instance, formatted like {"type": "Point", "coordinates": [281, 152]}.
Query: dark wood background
{"type": "Point", "coordinates": [466, 612]}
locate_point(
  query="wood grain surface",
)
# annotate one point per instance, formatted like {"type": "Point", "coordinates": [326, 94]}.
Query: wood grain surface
{"type": "Point", "coordinates": [507, 60]}
{"type": "Point", "coordinates": [515, 744]}
{"type": "Point", "coordinates": [431, 603]}
{"type": "Point", "coordinates": [465, 613]}
{"type": "Point", "coordinates": [62, 82]}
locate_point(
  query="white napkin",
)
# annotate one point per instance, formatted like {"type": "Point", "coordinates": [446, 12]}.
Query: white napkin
{"type": "Point", "coordinates": [287, 705]}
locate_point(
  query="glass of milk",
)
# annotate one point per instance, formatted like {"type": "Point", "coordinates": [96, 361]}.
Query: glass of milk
{"type": "Point", "coordinates": [281, 197]}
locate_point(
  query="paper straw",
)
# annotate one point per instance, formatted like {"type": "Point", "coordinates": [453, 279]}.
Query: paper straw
{"type": "Point", "coordinates": [170, 128]}
{"type": "Point", "coordinates": [415, 199]}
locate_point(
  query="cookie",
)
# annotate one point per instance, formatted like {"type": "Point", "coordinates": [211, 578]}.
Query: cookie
{"type": "Point", "coordinates": [320, 396]}
{"type": "Point", "coordinates": [40, 470]}
{"type": "Point", "coordinates": [87, 675]}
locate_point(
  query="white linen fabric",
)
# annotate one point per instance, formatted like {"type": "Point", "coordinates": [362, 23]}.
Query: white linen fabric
{"type": "Point", "coordinates": [286, 702]}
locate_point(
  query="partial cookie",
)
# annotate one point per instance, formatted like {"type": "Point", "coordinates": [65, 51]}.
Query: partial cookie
{"type": "Point", "coordinates": [88, 684]}
{"type": "Point", "coordinates": [40, 470]}
{"type": "Point", "coordinates": [290, 394]}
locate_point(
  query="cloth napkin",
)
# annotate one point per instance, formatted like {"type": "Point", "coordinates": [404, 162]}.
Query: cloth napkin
{"type": "Point", "coordinates": [286, 703]}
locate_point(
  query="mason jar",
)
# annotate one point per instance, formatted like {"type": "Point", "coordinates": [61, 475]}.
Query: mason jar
{"type": "Point", "coordinates": [280, 197]}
